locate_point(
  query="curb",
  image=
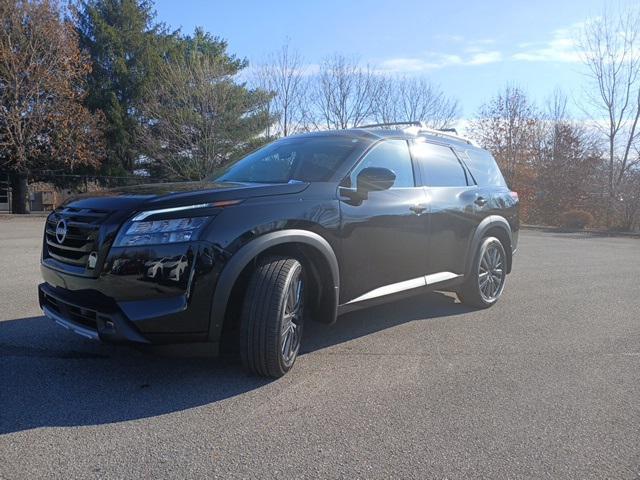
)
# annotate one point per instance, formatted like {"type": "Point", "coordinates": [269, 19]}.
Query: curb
{"type": "Point", "coordinates": [4, 215]}
{"type": "Point", "coordinates": [586, 231]}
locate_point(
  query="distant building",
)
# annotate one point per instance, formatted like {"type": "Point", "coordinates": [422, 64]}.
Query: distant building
{"type": "Point", "coordinates": [43, 196]}
{"type": "Point", "coordinates": [5, 192]}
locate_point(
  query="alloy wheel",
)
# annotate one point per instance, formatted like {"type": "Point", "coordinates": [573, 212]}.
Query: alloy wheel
{"type": "Point", "coordinates": [491, 274]}
{"type": "Point", "coordinates": [292, 318]}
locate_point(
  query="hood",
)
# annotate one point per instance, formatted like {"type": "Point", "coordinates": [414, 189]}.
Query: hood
{"type": "Point", "coordinates": [165, 195]}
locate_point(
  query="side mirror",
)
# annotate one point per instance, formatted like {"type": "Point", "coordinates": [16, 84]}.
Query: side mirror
{"type": "Point", "coordinates": [372, 179]}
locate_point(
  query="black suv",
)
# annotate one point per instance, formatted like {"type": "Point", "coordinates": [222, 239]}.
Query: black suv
{"type": "Point", "coordinates": [306, 228]}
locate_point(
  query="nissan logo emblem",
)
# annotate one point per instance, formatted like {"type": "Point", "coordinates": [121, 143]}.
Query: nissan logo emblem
{"type": "Point", "coordinates": [61, 231]}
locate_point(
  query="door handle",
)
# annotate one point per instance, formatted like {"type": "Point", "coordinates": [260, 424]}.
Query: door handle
{"type": "Point", "coordinates": [480, 201]}
{"type": "Point", "coordinates": [418, 209]}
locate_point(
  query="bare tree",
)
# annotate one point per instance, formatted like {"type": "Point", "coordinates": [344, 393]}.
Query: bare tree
{"type": "Point", "coordinates": [506, 125]}
{"type": "Point", "coordinates": [402, 99]}
{"type": "Point", "coordinates": [42, 86]}
{"type": "Point", "coordinates": [556, 106]}
{"type": "Point", "coordinates": [562, 145]}
{"type": "Point", "coordinates": [344, 94]}
{"type": "Point", "coordinates": [386, 103]}
{"type": "Point", "coordinates": [630, 196]}
{"type": "Point", "coordinates": [610, 47]}
{"type": "Point", "coordinates": [284, 75]}
{"type": "Point", "coordinates": [199, 117]}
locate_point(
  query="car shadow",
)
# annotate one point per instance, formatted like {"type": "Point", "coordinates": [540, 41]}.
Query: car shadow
{"type": "Point", "coordinates": [370, 320]}
{"type": "Point", "coordinates": [50, 377]}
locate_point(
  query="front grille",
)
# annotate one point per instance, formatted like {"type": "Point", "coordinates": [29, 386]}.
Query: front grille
{"type": "Point", "coordinates": [79, 315]}
{"type": "Point", "coordinates": [83, 225]}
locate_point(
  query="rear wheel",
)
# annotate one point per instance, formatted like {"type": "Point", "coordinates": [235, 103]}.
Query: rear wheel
{"type": "Point", "coordinates": [485, 282]}
{"type": "Point", "coordinates": [272, 317]}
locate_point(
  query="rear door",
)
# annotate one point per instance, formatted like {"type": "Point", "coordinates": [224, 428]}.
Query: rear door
{"type": "Point", "coordinates": [384, 237]}
{"type": "Point", "coordinates": [453, 200]}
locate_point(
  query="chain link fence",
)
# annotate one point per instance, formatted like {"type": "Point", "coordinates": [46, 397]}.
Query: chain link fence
{"type": "Point", "coordinates": [50, 188]}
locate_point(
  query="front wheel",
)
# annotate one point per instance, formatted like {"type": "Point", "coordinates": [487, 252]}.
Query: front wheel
{"type": "Point", "coordinates": [485, 282]}
{"type": "Point", "coordinates": [272, 317]}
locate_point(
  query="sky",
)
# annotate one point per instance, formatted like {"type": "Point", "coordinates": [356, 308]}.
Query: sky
{"type": "Point", "coordinates": [470, 49]}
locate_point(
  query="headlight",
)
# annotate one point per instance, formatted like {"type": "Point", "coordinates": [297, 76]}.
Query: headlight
{"type": "Point", "coordinates": [159, 231]}
{"type": "Point", "coordinates": [139, 231]}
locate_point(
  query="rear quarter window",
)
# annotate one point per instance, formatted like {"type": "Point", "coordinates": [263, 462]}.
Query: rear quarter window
{"type": "Point", "coordinates": [484, 168]}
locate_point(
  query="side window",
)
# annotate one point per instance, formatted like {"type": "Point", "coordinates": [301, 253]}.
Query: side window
{"type": "Point", "coordinates": [391, 154]}
{"type": "Point", "coordinates": [439, 166]}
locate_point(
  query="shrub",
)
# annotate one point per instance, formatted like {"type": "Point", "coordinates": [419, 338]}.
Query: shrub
{"type": "Point", "coordinates": [576, 219]}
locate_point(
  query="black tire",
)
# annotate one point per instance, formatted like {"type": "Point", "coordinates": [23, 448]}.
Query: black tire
{"type": "Point", "coordinates": [476, 292]}
{"type": "Point", "coordinates": [268, 321]}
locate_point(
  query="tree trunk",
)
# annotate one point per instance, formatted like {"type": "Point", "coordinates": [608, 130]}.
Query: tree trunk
{"type": "Point", "coordinates": [19, 193]}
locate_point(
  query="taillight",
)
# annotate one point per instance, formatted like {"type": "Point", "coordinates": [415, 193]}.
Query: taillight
{"type": "Point", "coordinates": [514, 195]}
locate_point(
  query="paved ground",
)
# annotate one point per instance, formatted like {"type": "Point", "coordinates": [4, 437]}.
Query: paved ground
{"type": "Point", "coordinates": [545, 384]}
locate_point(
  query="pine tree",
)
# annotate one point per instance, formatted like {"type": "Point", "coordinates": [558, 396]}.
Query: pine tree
{"type": "Point", "coordinates": [198, 116]}
{"type": "Point", "coordinates": [126, 46]}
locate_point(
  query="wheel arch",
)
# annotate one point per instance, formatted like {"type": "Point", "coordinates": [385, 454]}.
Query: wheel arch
{"type": "Point", "coordinates": [493, 225]}
{"type": "Point", "coordinates": [310, 248]}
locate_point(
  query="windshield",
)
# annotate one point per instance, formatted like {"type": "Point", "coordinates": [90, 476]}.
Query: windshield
{"type": "Point", "coordinates": [304, 159]}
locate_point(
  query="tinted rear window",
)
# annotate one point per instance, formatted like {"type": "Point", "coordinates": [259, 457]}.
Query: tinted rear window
{"type": "Point", "coordinates": [484, 168]}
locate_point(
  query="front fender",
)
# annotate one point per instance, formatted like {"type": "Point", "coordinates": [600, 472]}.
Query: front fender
{"type": "Point", "coordinates": [250, 251]}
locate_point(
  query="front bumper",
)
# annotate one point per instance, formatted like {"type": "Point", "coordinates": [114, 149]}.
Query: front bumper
{"type": "Point", "coordinates": [130, 300]}
{"type": "Point", "coordinates": [86, 318]}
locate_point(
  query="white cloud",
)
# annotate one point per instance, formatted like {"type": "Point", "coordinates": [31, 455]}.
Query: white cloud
{"type": "Point", "coordinates": [472, 52]}
{"type": "Point", "coordinates": [450, 38]}
{"type": "Point", "coordinates": [482, 58]}
{"type": "Point", "coordinates": [430, 61]}
{"type": "Point", "coordinates": [479, 46]}
{"type": "Point", "coordinates": [437, 60]}
{"type": "Point", "coordinates": [561, 47]}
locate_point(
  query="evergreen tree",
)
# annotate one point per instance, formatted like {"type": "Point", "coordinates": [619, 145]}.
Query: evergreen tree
{"type": "Point", "coordinates": [126, 47]}
{"type": "Point", "coordinates": [198, 116]}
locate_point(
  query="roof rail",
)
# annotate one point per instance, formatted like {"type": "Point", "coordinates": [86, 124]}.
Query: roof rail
{"type": "Point", "coordinates": [390, 124]}
{"type": "Point", "coordinates": [447, 133]}
{"type": "Point", "coordinates": [422, 128]}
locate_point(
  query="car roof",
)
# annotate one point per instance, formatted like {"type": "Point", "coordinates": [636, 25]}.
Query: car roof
{"type": "Point", "coordinates": [375, 133]}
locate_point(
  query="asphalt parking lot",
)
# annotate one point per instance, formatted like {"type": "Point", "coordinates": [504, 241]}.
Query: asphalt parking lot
{"type": "Point", "coordinates": [544, 385]}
